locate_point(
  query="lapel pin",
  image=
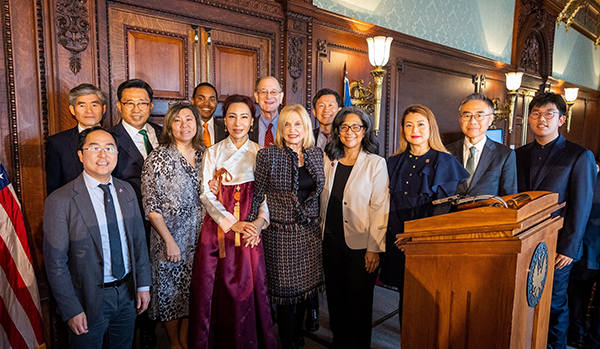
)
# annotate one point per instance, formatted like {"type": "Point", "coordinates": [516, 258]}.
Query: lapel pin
{"type": "Point", "coordinates": [426, 161]}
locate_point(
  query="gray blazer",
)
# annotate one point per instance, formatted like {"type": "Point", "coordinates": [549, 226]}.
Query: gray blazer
{"type": "Point", "coordinates": [73, 247]}
{"type": "Point", "coordinates": [496, 172]}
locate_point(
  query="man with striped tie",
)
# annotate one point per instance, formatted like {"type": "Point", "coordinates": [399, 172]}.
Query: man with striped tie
{"type": "Point", "coordinates": [268, 93]}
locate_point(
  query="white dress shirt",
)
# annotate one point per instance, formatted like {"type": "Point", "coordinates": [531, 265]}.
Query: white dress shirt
{"type": "Point", "coordinates": [97, 197]}
{"type": "Point", "coordinates": [138, 139]}
{"type": "Point", "coordinates": [478, 149]}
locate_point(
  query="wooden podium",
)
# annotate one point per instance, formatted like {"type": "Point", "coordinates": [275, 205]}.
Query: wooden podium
{"type": "Point", "coordinates": [467, 272]}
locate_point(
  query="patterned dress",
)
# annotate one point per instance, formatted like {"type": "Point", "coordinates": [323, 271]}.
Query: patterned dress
{"type": "Point", "coordinates": [293, 239]}
{"type": "Point", "coordinates": [171, 187]}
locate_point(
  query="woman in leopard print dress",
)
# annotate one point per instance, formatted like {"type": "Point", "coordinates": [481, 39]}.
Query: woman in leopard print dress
{"type": "Point", "coordinates": [171, 180]}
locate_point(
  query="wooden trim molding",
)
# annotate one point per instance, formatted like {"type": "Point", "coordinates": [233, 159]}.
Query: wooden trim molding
{"type": "Point", "coordinates": [12, 107]}
{"type": "Point", "coordinates": [42, 67]}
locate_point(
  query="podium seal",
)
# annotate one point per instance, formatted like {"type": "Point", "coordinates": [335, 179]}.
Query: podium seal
{"type": "Point", "coordinates": [536, 278]}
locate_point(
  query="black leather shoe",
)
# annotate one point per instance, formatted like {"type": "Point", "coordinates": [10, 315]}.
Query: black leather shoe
{"type": "Point", "coordinates": [299, 341]}
{"type": "Point", "coordinates": [576, 342]}
{"type": "Point", "coordinates": [312, 320]}
{"type": "Point", "coordinates": [147, 338]}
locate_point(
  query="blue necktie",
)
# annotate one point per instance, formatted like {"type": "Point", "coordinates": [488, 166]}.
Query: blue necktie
{"type": "Point", "coordinates": [116, 250]}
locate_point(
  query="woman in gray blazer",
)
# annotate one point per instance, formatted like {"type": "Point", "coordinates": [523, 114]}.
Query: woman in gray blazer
{"type": "Point", "coordinates": [354, 212]}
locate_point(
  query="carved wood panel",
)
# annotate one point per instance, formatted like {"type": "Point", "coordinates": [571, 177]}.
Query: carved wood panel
{"type": "Point", "coordinates": [160, 59]}
{"type": "Point", "coordinates": [235, 61]}
{"type": "Point", "coordinates": [154, 49]}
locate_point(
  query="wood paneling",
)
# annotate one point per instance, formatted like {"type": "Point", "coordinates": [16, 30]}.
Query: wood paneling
{"type": "Point", "coordinates": [236, 69]}
{"type": "Point", "coordinates": [160, 60]}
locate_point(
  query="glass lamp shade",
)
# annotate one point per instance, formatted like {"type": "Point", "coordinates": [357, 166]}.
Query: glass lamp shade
{"type": "Point", "coordinates": [379, 50]}
{"type": "Point", "coordinates": [513, 81]}
{"type": "Point", "coordinates": [571, 94]}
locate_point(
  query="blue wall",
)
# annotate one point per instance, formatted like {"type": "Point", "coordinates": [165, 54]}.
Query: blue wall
{"type": "Point", "coordinates": [481, 27]}
{"type": "Point", "coordinates": [575, 59]}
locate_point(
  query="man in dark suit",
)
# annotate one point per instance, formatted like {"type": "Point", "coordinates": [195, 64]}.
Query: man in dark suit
{"type": "Point", "coordinates": [205, 98]}
{"type": "Point", "coordinates": [87, 104]}
{"type": "Point", "coordinates": [492, 166]}
{"type": "Point", "coordinates": [269, 96]}
{"type": "Point", "coordinates": [551, 163]}
{"type": "Point", "coordinates": [137, 137]}
{"type": "Point", "coordinates": [586, 273]}
{"type": "Point", "coordinates": [326, 105]}
{"type": "Point", "coordinates": [95, 249]}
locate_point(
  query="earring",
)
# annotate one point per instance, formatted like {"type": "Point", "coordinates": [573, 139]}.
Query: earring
{"type": "Point", "coordinates": [225, 128]}
{"type": "Point", "coordinates": [251, 130]}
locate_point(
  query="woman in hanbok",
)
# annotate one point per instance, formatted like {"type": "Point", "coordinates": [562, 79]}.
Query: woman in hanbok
{"type": "Point", "coordinates": [421, 171]}
{"type": "Point", "coordinates": [229, 305]}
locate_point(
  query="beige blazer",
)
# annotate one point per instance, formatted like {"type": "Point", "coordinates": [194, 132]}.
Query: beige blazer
{"type": "Point", "coordinates": [366, 203]}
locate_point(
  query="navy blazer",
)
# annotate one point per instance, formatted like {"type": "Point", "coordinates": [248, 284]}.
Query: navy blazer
{"type": "Point", "coordinates": [73, 252]}
{"type": "Point", "coordinates": [591, 239]}
{"type": "Point", "coordinates": [131, 161]}
{"type": "Point", "coordinates": [62, 161]}
{"type": "Point", "coordinates": [219, 130]}
{"type": "Point", "coordinates": [253, 134]}
{"type": "Point", "coordinates": [496, 172]}
{"type": "Point", "coordinates": [570, 171]}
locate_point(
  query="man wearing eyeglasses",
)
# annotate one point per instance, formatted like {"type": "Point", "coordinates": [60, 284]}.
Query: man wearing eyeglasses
{"type": "Point", "coordinates": [492, 166]}
{"type": "Point", "coordinates": [95, 249]}
{"type": "Point", "coordinates": [137, 137]}
{"type": "Point", "coordinates": [551, 163]}
{"type": "Point", "coordinates": [269, 96]}
{"type": "Point", "coordinates": [87, 104]}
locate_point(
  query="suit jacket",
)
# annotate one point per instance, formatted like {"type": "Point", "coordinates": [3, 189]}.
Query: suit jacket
{"type": "Point", "coordinates": [496, 172]}
{"type": "Point", "coordinates": [591, 239]}
{"type": "Point", "coordinates": [570, 171]}
{"type": "Point", "coordinates": [219, 130]}
{"type": "Point", "coordinates": [73, 248]}
{"type": "Point", "coordinates": [253, 135]}
{"type": "Point", "coordinates": [62, 161]}
{"type": "Point", "coordinates": [131, 161]}
{"type": "Point", "coordinates": [366, 201]}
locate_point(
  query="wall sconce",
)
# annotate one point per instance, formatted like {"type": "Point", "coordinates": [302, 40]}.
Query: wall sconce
{"type": "Point", "coordinates": [570, 97]}
{"type": "Point", "coordinates": [369, 98]}
{"type": "Point", "coordinates": [506, 110]}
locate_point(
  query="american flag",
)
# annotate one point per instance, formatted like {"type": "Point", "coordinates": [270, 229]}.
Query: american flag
{"type": "Point", "coordinates": [20, 310]}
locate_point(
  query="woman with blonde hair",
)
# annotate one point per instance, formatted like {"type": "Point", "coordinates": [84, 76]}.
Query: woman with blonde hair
{"type": "Point", "coordinates": [289, 176]}
{"type": "Point", "coordinates": [421, 171]}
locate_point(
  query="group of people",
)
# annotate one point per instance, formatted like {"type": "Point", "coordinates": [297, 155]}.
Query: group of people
{"type": "Point", "coordinates": [250, 218]}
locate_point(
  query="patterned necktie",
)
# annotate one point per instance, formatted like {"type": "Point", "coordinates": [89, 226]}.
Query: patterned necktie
{"type": "Point", "coordinates": [206, 135]}
{"type": "Point", "coordinates": [147, 143]}
{"type": "Point", "coordinates": [471, 164]}
{"type": "Point", "coordinates": [114, 238]}
{"type": "Point", "coordinates": [269, 136]}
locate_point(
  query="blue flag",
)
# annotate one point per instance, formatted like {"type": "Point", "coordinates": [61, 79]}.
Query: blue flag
{"type": "Point", "coordinates": [347, 99]}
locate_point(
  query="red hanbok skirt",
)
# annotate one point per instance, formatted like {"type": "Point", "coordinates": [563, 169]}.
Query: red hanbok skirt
{"type": "Point", "coordinates": [229, 305]}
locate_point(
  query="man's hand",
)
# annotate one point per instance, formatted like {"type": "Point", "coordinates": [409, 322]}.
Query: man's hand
{"type": "Point", "coordinates": [143, 298]}
{"type": "Point", "coordinates": [78, 323]}
{"type": "Point", "coordinates": [562, 261]}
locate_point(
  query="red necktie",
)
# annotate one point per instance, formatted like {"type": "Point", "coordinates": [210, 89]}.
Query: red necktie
{"type": "Point", "coordinates": [327, 136]}
{"type": "Point", "coordinates": [269, 136]}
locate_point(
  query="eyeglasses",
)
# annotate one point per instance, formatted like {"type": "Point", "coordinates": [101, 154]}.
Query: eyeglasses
{"type": "Point", "coordinates": [273, 93]}
{"type": "Point", "coordinates": [131, 105]}
{"type": "Point", "coordinates": [354, 128]}
{"type": "Point", "coordinates": [477, 116]}
{"type": "Point", "coordinates": [547, 115]}
{"type": "Point", "coordinates": [98, 149]}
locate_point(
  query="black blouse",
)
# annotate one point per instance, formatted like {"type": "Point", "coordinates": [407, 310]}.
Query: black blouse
{"type": "Point", "coordinates": [334, 221]}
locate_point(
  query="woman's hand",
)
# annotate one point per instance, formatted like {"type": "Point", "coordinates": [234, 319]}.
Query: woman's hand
{"type": "Point", "coordinates": [371, 261]}
{"type": "Point", "coordinates": [173, 252]}
{"type": "Point", "coordinates": [401, 242]}
{"type": "Point", "coordinates": [254, 239]}
{"type": "Point", "coordinates": [214, 186]}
